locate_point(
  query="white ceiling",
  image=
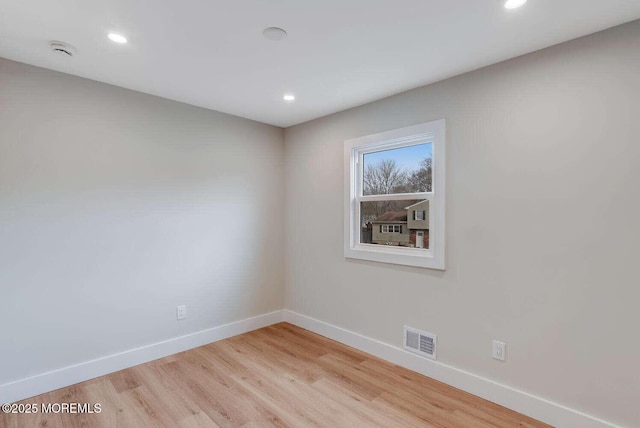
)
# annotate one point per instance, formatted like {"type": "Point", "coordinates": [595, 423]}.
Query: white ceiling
{"type": "Point", "coordinates": [339, 53]}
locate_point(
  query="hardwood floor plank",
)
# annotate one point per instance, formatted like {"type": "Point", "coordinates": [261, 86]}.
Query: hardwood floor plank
{"type": "Point", "coordinates": [125, 380]}
{"type": "Point", "coordinates": [198, 420]}
{"type": "Point", "coordinates": [115, 412]}
{"type": "Point", "coordinates": [278, 376]}
{"type": "Point", "coordinates": [148, 408]}
{"type": "Point", "coordinates": [212, 374]}
{"type": "Point", "coordinates": [370, 412]}
{"type": "Point", "coordinates": [177, 406]}
{"type": "Point", "coordinates": [207, 396]}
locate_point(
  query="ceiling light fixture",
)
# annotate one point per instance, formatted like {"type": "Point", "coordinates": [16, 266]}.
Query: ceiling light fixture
{"type": "Point", "coordinates": [274, 33]}
{"type": "Point", "coordinates": [289, 97]}
{"type": "Point", "coordinates": [514, 4]}
{"type": "Point", "coordinates": [117, 38]}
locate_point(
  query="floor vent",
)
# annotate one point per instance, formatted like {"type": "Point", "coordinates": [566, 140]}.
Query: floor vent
{"type": "Point", "coordinates": [420, 342]}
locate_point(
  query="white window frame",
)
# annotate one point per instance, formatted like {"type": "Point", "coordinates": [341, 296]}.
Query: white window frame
{"type": "Point", "coordinates": [394, 226]}
{"type": "Point", "coordinates": [354, 151]}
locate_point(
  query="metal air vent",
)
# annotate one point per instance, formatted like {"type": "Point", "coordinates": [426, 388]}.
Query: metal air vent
{"type": "Point", "coordinates": [420, 342]}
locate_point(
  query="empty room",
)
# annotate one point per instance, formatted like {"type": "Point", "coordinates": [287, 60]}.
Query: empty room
{"type": "Point", "coordinates": [287, 213]}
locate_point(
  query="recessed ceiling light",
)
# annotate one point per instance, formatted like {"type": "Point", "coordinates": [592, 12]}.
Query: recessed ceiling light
{"type": "Point", "coordinates": [117, 38]}
{"type": "Point", "coordinates": [514, 4]}
{"type": "Point", "coordinates": [274, 33]}
{"type": "Point", "coordinates": [289, 97]}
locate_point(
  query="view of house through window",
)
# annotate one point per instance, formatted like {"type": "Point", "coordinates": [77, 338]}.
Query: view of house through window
{"type": "Point", "coordinates": [403, 223]}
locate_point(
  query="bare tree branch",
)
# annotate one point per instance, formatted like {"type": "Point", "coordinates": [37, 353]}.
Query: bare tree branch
{"type": "Point", "coordinates": [384, 177]}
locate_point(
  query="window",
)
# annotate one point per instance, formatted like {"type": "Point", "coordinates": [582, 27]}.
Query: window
{"type": "Point", "coordinates": [390, 228]}
{"type": "Point", "coordinates": [394, 196]}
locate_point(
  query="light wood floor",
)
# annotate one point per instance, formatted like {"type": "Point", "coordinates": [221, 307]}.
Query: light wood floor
{"type": "Point", "coordinates": [277, 376]}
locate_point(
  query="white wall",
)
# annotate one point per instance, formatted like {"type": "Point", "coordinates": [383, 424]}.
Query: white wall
{"type": "Point", "coordinates": [117, 206]}
{"type": "Point", "coordinates": [542, 224]}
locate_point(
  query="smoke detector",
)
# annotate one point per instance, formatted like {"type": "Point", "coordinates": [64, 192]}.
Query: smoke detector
{"type": "Point", "coordinates": [62, 48]}
{"type": "Point", "coordinates": [274, 33]}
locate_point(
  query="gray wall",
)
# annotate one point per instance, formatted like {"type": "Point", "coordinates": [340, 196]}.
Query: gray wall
{"type": "Point", "coordinates": [542, 224]}
{"type": "Point", "coordinates": [115, 207]}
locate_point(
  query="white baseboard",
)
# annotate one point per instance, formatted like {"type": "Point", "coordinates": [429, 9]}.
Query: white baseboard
{"type": "Point", "coordinates": [528, 404]}
{"type": "Point", "coordinates": [45, 382]}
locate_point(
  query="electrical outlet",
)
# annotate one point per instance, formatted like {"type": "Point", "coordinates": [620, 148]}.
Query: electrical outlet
{"type": "Point", "coordinates": [499, 350]}
{"type": "Point", "coordinates": [181, 312]}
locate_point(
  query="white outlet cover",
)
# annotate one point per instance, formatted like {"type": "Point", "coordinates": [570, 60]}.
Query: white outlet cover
{"type": "Point", "coordinates": [499, 350]}
{"type": "Point", "coordinates": [181, 312]}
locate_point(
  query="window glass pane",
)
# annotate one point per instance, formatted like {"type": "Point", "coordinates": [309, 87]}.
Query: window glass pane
{"type": "Point", "coordinates": [403, 170]}
{"type": "Point", "coordinates": [393, 223]}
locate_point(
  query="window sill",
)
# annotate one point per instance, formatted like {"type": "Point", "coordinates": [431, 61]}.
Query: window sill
{"type": "Point", "coordinates": [395, 255]}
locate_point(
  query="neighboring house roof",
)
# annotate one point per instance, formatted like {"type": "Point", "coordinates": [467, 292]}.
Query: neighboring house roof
{"type": "Point", "coordinates": [421, 202]}
{"type": "Point", "coordinates": [392, 216]}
